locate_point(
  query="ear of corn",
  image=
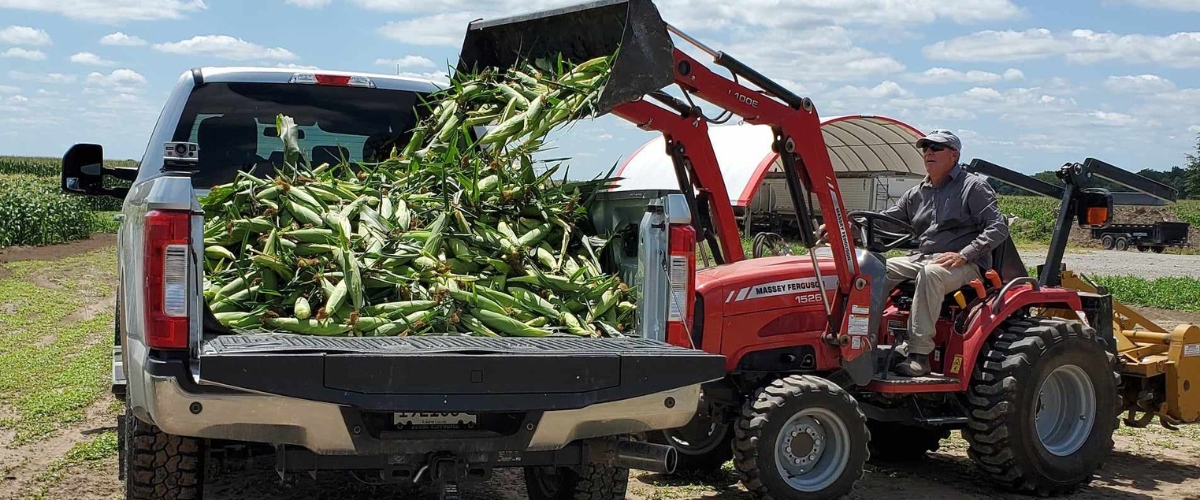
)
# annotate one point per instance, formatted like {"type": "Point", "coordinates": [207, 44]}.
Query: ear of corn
{"type": "Point", "coordinates": [444, 237]}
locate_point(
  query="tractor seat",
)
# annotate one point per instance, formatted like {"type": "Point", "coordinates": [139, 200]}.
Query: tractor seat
{"type": "Point", "coordinates": [1006, 261]}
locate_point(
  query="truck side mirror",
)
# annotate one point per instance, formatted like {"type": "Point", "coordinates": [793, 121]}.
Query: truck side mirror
{"type": "Point", "coordinates": [1094, 208]}
{"type": "Point", "coordinates": [83, 172]}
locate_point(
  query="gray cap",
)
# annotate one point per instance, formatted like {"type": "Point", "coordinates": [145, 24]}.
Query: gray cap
{"type": "Point", "coordinates": [941, 136]}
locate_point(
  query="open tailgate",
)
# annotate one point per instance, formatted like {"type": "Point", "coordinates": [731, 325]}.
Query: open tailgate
{"type": "Point", "coordinates": [454, 373]}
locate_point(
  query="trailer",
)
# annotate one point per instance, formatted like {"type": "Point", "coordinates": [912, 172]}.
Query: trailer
{"type": "Point", "coordinates": [1155, 237]}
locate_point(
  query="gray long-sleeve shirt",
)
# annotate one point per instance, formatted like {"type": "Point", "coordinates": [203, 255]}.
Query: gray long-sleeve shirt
{"type": "Point", "coordinates": [961, 216]}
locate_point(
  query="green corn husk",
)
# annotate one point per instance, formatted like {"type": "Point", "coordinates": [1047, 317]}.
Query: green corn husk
{"type": "Point", "coordinates": [447, 236]}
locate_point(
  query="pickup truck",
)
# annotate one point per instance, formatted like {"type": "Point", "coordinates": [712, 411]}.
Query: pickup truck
{"type": "Point", "coordinates": [437, 410]}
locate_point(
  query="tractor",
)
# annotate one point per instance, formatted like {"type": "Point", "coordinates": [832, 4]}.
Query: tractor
{"type": "Point", "coordinates": [1026, 368]}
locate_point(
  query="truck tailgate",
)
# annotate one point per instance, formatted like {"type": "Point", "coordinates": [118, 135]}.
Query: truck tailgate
{"type": "Point", "coordinates": [453, 373]}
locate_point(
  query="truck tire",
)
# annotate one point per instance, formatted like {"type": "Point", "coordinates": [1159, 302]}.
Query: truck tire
{"type": "Point", "coordinates": [893, 442]}
{"type": "Point", "coordinates": [1157, 249]}
{"type": "Point", "coordinates": [1044, 405]}
{"type": "Point", "coordinates": [158, 465]}
{"type": "Point", "coordinates": [590, 482]}
{"type": "Point", "coordinates": [801, 437]}
{"type": "Point", "coordinates": [1122, 244]}
{"type": "Point", "coordinates": [1107, 242]}
{"type": "Point", "coordinates": [701, 446]}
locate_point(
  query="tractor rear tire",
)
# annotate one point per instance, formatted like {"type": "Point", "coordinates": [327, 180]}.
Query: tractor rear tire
{"type": "Point", "coordinates": [893, 442]}
{"type": "Point", "coordinates": [158, 465]}
{"type": "Point", "coordinates": [1108, 242]}
{"type": "Point", "coordinates": [801, 437]}
{"type": "Point", "coordinates": [1122, 244]}
{"type": "Point", "coordinates": [1044, 405]}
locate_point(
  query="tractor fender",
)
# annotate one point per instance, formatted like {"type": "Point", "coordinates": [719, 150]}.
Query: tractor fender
{"type": "Point", "coordinates": [984, 322]}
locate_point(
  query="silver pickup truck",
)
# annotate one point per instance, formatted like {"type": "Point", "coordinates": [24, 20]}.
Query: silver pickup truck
{"type": "Point", "coordinates": [427, 410]}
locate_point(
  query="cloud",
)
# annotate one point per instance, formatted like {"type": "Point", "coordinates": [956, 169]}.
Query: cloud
{"type": "Point", "coordinates": [110, 11]}
{"type": "Point", "coordinates": [122, 40]}
{"type": "Point", "coordinates": [1139, 84]}
{"type": "Point", "coordinates": [1113, 118]}
{"type": "Point", "coordinates": [946, 75]}
{"type": "Point", "coordinates": [1178, 5]}
{"type": "Point", "coordinates": [604, 137]}
{"type": "Point", "coordinates": [1195, 129]}
{"type": "Point", "coordinates": [18, 99]}
{"type": "Point", "coordinates": [309, 4]}
{"type": "Point", "coordinates": [886, 90]}
{"type": "Point", "coordinates": [91, 59]}
{"type": "Point", "coordinates": [436, 76]}
{"type": "Point", "coordinates": [23, 35]}
{"type": "Point", "coordinates": [1013, 74]}
{"type": "Point", "coordinates": [1082, 46]}
{"type": "Point", "coordinates": [118, 78]}
{"type": "Point", "coordinates": [41, 77]}
{"type": "Point", "coordinates": [32, 55]}
{"type": "Point", "coordinates": [9, 89]}
{"type": "Point", "coordinates": [444, 30]}
{"type": "Point", "coordinates": [824, 53]}
{"type": "Point", "coordinates": [224, 47]}
{"type": "Point", "coordinates": [295, 66]}
{"type": "Point", "coordinates": [407, 62]}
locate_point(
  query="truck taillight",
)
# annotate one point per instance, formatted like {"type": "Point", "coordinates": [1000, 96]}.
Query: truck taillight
{"type": "Point", "coordinates": [165, 264]}
{"type": "Point", "coordinates": [682, 262]}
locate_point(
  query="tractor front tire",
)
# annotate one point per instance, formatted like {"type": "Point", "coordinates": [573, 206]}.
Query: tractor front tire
{"type": "Point", "coordinates": [893, 442]}
{"type": "Point", "coordinates": [158, 465]}
{"type": "Point", "coordinates": [801, 437]}
{"type": "Point", "coordinates": [1044, 405]}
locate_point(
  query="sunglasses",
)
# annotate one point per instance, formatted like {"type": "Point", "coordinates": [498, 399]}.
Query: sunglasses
{"type": "Point", "coordinates": [936, 148]}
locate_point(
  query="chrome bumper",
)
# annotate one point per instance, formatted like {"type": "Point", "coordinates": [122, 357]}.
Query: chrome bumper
{"type": "Point", "coordinates": [322, 428]}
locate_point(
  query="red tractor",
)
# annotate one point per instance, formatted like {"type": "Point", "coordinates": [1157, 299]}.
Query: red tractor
{"type": "Point", "coordinates": [1023, 367]}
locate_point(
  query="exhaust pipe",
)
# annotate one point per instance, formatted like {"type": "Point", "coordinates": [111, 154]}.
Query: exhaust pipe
{"type": "Point", "coordinates": [646, 456]}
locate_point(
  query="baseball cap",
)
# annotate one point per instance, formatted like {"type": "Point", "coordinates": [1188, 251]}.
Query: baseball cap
{"type": "Point", "coordinates": [941, 136]}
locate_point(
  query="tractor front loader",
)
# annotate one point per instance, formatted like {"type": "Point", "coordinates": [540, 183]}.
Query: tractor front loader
{"type": "Point", "coordinates": [1157, 367]}
{"type": "Point", "coordinates": [807, 339]}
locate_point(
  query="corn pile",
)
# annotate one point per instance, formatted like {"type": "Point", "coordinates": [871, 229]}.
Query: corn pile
{"type": "Point", "coordinates": [453, 235]}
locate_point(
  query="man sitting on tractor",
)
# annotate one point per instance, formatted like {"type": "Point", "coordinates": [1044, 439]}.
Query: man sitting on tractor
{"type": "Point", "coordinates": [958, 224]}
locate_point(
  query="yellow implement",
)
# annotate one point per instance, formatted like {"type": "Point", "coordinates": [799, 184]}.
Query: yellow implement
{"type": "Point", "coordinates": [1157, 367]}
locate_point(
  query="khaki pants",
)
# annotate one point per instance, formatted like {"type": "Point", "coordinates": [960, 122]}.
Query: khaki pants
{"type": "Point", "coordinates": [933, 282]}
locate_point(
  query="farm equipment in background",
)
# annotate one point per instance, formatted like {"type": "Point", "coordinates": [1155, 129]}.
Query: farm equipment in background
{"type": "Point", "coordinates": [806, 338]}
{"type": "Point", "coordinates": [1155, 237]}
{"type": "Point", "coordinates": [1156, 367]}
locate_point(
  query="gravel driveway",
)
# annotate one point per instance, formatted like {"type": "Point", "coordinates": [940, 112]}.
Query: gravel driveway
{"type": "Point", "coordinates": [1111, 262]}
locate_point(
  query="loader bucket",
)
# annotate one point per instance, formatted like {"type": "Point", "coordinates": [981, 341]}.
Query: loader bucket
{"type": "Point", "coordinates": [581, 32]}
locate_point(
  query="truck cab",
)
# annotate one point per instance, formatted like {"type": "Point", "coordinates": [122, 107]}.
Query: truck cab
{"type": "Point", "coordinates": [437, 409]}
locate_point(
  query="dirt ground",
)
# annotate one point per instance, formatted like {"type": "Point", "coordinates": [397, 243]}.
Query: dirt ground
{"type": "Point", "coordinates": [75, 462]}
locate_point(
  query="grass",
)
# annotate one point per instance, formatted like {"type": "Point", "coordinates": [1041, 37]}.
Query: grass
{"type": "Point", "coordinates": [1036, 216]}
{"type": "Point", "coordinates": [53, 367]}
{"type": "Point", "coordinates": [91, 453]}
{"type": "Point", "coordinates": [1181, 293]}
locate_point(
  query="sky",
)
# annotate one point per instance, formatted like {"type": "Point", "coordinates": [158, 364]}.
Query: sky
{"type": "Point", "coordinates": [1025, 84]}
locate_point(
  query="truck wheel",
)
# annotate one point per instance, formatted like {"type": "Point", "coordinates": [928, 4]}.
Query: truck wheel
{"type": "Point", "coordinates": [893, 442]}
{"type": "Point", "coordinates": [158, 465]}
{"type": "Point", "coordinates": [590, 482]}
{"type": "Point", "coordinates": [801, 437]}
{"type": "Point", "coordinates": [1122, 244]}
{"type": "Point", "coordinates": [1142, 249]}
{"type": "Point", "coordinates": [1108, 242]}
{"type": "Point", "coordinates": [1044, 405]}
{"type": "Point", "coordinates": [1157, 249]}
{"type": "Point", "coordinates": [703, 445]}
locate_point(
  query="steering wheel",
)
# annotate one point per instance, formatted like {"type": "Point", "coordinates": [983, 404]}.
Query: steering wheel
{"type": "Point", "coordinates": [865, 220]}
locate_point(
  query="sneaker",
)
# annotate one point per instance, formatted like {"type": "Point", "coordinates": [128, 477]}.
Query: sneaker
{"type": "Point", "coordinates": [915, 365]}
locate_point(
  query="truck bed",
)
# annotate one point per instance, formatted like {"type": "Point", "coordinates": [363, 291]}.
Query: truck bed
{"type": "Point", "coordinates": [453, 373]}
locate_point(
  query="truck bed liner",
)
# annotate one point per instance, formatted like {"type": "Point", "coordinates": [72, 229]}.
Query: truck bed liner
{"type": "Point", "coordinates": [453, 373]}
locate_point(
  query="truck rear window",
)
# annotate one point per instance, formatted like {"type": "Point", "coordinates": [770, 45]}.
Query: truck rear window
{"type": "Point", "coordinates": [234, 125]}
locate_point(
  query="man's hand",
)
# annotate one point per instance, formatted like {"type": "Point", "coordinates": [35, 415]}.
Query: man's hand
{"type": "Point", "coordinates": [822, 235]}
{"type": "Point", "coordinates": [950, 260]}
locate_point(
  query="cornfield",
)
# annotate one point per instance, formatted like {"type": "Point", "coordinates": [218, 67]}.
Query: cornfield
{"type": "Point", "coordinates": [35, 212]}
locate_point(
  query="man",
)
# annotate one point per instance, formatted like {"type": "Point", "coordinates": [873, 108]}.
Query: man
{"type": "Point", "coordinates": [958, 224]}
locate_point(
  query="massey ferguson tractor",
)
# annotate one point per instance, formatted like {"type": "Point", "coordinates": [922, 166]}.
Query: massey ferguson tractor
{"type": "Point", "coordinates": [1025, 368]}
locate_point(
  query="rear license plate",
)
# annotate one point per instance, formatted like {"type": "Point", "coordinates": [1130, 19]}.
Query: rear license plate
{"type": "Point", "coordinates": [434, 420]}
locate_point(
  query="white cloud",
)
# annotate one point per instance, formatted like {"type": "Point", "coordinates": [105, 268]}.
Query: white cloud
{"type": "Point", "coordinates": [1139, 84]}
{"type": "Point", "coordinates": [110, 11]}
{"type": "Point", "coordinates": [824, 53]}
{"type": "Point", "coordinates": [18, 99]}
{"type": "Point", "coordinates": [717, 14]}
{"type": "Point", "coordinates": [118, 78]}
{"type": "Point", "coordinates": [946, 75]}
{"type": "Point", "coordinates": [1179, 5]}
{"type": "Point", "coordinates": [445, 30]}
{"type": "Point", "coordinates": [1113, 118]}
{"type": "Point", "coordinates": [41, 77]}
{"type": "Point", "coordinates": [9, 89]}
{"type": "Point", "coordinates": [48, 93]}
{"type": "Point", "coordinates": [1180, 50]}
{"type": "Point", "coordinates": [224, 47]}
{"type": "Point", "coordinates": [91, 59]}
{"type": "Point", "coordinates": [1013, 74]}
{"type": "Point", "coordinates": [407, 62]}
{"type": "Point", "coordinates": [32, 55]}
{"type": "Point", "coordinates": [122, 40]}
{"type": "Point", "coordinates": [604, 137]}
{"type": "Point", "coordinates": [886, 90]}
{"type": "Point", "coordinates": [294, 66]}
{"type": "Point", "coordinates": [436, 76]}
{"type": "Point", "coordinates": [23, 35]}
{"type": "Point", "coordinates": [309, 4]}
{"type": "Point", "coordinates": [1195, 129]}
